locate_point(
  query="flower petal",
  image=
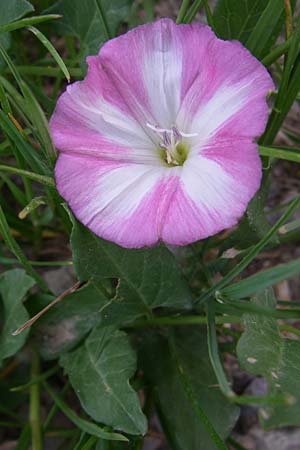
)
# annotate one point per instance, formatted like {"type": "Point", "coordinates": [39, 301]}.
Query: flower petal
{"type": "Point", "coordinates": [214, 191]}
{"type": "Point", "coordinates": [114, 200]}
{"type": "Point", "coordinates": [228, 95]}
{"type": "Point", "coordinates": [91, 119]}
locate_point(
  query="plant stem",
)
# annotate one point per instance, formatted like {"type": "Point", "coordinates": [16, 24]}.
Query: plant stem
{"type": "Point", "coordinates": [34, 417]}
{"type": "Point", "coordinates": [184, 320]}
{"type": "Point", "coordinates": [48, 181]}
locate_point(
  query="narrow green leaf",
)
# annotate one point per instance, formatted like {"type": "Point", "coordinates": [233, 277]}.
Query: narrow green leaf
{"type": "Point", "coordinates": [51, 50]}
{"type": "Point", "coordinates": [288, 88]}
{"type": "Point", "coordinates": [287, 153]}
{"type": "Point", "coordinates": [278, 51]}
{"type": "Point", "coordinates": [16, 250]}
{"type": "Point", "coordinates": [29, 154]}
{"type": "Point", "coordinates": [193, 10]}
{"type": "Point", "coordinates": [33, 20]}
{"type": "Point", "coordinates": [214, 351]}
{"type": "Point", "coordinates": [44, 376]}
{"type": "Point", "coordinates": [84, 425]}
{"type": "Point", "coordinates": [183, 10]}
{"type": "Point", "coordinates": [262, 280]}
{"type": "Point", "coordinates": [31, 175]}
{"type": "Point", "coordinates": [38, 119]}
{"type": "Point", "coordinates": [266, 29]}
{"type": "Point", "coordinates": [255, 250]}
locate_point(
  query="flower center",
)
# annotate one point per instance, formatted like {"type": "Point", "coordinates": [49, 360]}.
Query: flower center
{"type": "Point", "coordinates": [173, 148]}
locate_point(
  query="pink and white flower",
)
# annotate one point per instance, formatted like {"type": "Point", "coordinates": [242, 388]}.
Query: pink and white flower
{"type": "Point", "coordinates": [157, 142]}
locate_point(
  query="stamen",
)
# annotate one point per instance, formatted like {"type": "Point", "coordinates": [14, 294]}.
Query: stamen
{"type": "Point", "coordinates": [174, 150]}
{"type": "Point", "coordinates": [177, 135]}
{"type": "Point", "coordinates": [188, 134]}
{"type": "Point", "coordinates": [167, 140]}
{"type": "Point", "coordinates": [157, 129]}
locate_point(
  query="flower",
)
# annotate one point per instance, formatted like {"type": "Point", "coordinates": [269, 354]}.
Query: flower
{"type": "Point", "coordinates": [157, 142]}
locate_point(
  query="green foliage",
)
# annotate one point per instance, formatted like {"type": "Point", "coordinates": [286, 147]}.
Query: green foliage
{"type": "Point", "coordinates": [10, 11]}
{"type": "Point", "coordinates": [64, 327]}
{"type": "Point", "coordinates": [14, 285]}
{"type": "Point", "coordinates": [263, 351]}
{"type": "Point", "coordinates": [235, 19]}
{"type": "Point", "coordinates": [147, 278]}
{"type": "Point", "coordinates": [99, 372]}
{"type": "Point", "coordinates": [194, 412]}
{"type": "Point", "coordinates": [92, 22]}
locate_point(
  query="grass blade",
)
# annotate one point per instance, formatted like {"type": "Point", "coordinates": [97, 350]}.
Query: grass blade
{"type": "Point", "coordinates": [51, 50]}
{"type": "Point", "coordinates": [262, 280]}
{"type": "Point", "coordinates": [17, 251]}
{"type": "Point", "coordinates": [289, 154]}
{"type": "Point", "coordinates": [255, 250]}
{"type": "Point", "coordinates": [267, 25]}
{"type": "Point", "coordinates": [24, 148]}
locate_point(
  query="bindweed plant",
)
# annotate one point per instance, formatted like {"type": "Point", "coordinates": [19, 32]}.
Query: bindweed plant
{"type": "Point", "coordinates": [148, 185]}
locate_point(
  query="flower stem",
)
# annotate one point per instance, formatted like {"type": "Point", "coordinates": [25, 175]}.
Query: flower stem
{"type": "Point", "coordinates": [34, 416]}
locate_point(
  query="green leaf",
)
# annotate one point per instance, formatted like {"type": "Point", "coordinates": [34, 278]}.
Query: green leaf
{"type": "Point", "coordinates": [82, 424]}
{"type": "Point", "coordinates": [14, 284]}
{"type": "Point", "coordinates": [13, 10]}
{"type": "Point", "coordinates": [93, 21]}
{"type": "Point", "coordinates": [193, 411]}
{"type": "Point", "coordinates": [99, 371]}
{"type": "Point", "coordinates": [9, 12]}
{"type": "Point", "coordinates": [262, 351]}
{"type": "Point", "coordinates": [148, 278]}
{"type": "Point", "coordinates": [66, 324]}
{"type": "Point", "coordinates": [235, 19]}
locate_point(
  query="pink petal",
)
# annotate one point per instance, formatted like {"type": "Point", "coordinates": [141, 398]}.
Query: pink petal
{"type": "Point", "coordinates": [214, 191]}
{"type": "Point", "coordinates": [228, 93]}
